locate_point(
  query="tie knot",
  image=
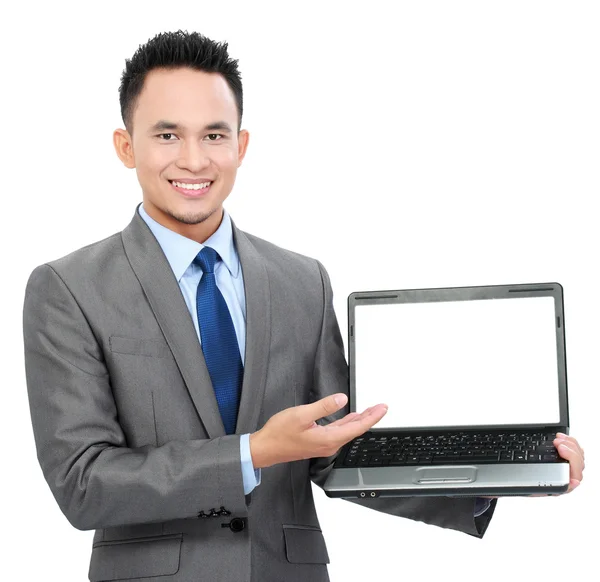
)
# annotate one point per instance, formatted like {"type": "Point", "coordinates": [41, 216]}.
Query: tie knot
{"type": "Point", "coordinates": [207, 258]}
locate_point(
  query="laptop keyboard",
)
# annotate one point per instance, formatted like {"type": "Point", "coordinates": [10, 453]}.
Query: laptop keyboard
{"type": "Point", "coordinates": [456, 448]}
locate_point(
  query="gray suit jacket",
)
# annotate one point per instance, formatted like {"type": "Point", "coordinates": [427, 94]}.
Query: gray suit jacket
{"type": "Point", "coordinates": [127, 428]}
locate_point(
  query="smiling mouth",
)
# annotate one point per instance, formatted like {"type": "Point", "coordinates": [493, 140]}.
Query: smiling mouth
{"type": "Point", "coordinates": [192, 187]}
{"type": "Point", "coordinates": [191, 190]}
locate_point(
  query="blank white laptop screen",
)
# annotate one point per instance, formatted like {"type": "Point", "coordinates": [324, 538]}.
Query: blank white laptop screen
{"type": "Point", "coordinates": [458, 363]}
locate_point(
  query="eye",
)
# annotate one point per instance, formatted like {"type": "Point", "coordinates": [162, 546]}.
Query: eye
{"type": "Point", "coordinates": [214, 134]}
{"type": "Point", "coordinates": [161, 134]}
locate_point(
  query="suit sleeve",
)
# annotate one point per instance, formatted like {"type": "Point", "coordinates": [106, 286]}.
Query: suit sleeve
{"type": "Point", "coordinates": [331, 376]}
{"type": "Point", "coordinates": [96, 479]}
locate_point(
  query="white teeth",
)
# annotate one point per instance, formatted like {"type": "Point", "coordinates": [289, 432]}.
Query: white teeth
{"type": "Point", "coordinates": [191, 186]}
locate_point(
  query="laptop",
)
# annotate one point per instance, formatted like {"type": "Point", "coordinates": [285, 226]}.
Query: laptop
{"type": "Point", "coordinates": [475, 380]}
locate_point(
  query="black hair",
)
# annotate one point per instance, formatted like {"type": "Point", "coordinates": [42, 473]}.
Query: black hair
{"type": "Point", "coordinates": [172, 50]}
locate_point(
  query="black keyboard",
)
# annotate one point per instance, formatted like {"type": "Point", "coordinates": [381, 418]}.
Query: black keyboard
{"type": "Point", "coordinates": [455, 448]}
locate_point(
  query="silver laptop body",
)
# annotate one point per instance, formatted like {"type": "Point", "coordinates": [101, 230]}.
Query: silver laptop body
{"type": "Point", "coordinates": [476, 384]}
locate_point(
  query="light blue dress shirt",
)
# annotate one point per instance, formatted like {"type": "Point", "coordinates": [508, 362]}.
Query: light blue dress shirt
{"type": "Point", "coordinates": [180, 251]}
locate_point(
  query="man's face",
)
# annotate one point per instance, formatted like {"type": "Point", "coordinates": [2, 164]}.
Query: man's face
{"type": "Point", "coordinates": [184, 130]}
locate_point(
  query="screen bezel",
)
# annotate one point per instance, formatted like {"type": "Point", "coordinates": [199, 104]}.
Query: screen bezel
{"type": "Point", "coordinates": [554, 290]}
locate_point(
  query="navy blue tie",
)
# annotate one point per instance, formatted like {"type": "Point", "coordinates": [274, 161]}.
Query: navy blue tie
{"type": "Point", "coordinates": [219, 342]}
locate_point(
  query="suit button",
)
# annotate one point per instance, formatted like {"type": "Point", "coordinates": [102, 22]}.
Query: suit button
{"type": "Point", "coordinates": [236, 525]}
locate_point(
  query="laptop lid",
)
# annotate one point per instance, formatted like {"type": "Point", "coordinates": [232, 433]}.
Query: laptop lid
{"type": "Point", "coordinates": [486, 357]}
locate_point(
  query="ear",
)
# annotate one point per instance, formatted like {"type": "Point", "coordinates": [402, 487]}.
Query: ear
{"type": "Point", "coordinates": [243, 138]}
{"type": "Point", "coordinates": [124, 147]}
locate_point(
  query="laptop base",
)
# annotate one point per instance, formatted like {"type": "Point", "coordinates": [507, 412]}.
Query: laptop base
{"type": "Point", "coordinates": [450, 480]}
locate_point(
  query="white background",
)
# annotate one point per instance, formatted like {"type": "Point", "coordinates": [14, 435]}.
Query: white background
{"type": "Point", "coordinates": [403, 144]}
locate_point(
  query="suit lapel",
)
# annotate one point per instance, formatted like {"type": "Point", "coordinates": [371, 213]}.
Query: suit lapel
{"type": "Point", "coordinates": [258, 331]}
{"type": "Point", "coordinates": [166, 300]}
{"type": "Point", "coordinates": [156, 277]}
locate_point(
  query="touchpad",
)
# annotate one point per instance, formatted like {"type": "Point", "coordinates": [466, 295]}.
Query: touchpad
{"type": "Point", "coordinates": [448, 475]}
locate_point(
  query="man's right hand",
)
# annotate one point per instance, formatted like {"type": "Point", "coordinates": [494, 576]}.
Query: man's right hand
{"type": "Point", "coordinates": [293, 434]}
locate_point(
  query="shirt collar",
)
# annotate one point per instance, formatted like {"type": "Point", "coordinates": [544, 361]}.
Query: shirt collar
{"type": "Point", "coordinates": [181, 251]}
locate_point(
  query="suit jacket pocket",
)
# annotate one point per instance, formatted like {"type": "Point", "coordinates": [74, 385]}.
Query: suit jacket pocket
{"type": "Point", "coordinates": [305, 544]}
{"type": "Point", "coordinates": [139, 346]}
{"type": "Point", "coordinates": [135, 558]}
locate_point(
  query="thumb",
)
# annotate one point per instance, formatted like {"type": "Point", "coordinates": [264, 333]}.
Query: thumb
{"type": "Point", "coordinates": [323, 407]}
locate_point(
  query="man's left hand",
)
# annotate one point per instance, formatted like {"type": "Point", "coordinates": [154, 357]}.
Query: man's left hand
{"type": "Point", "coordinates": [568, 448]}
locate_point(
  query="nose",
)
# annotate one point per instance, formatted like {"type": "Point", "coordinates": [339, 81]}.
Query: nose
{"type": "Point", "coordinates": [192, 157]}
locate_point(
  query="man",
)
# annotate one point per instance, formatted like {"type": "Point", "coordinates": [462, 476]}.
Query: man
{"type": "Point", "coordinates": [187, 380]}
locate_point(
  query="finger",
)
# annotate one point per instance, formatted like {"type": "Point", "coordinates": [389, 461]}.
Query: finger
{"type": "Point", "coordinates": [348, 418]}
{"type": "Point", "coordinates": [350, 430]}
{"type": "Point", "coordinates": [575, 461]}
{"type": "Point", "coordinates": [353, 416]}
{"type": "Point", "coordinates": [562, 437]}
{"type": "Point", "coordinates": [573, 447]}
{"type": "Point", "coordinates": [570, 442]}
{"type": "Point", "coordinates": [310, 412]}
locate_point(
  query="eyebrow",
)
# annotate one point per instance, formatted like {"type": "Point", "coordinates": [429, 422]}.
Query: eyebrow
{"type": "Point", "coordinates": [170, 125]}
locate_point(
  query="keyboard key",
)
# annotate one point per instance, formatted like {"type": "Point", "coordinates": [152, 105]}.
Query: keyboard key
{"type": "Point", "coordinates": [398, 460]}
{"type": "Point", "coordinates": [550, 457]}
{"type": "Point", "coordinates": [475, 458]}
{"type": "Point", "coordinates": [441, 460]}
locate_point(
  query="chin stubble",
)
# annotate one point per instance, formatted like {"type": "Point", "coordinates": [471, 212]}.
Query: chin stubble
{"type": "Point", "coordinates": [193, 218]}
